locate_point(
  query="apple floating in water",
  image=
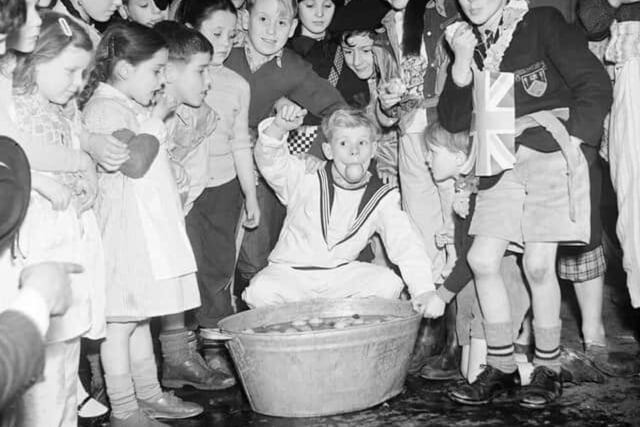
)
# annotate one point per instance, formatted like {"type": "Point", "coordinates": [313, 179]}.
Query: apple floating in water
{"type": "Point", "coordinates": [354, 172]}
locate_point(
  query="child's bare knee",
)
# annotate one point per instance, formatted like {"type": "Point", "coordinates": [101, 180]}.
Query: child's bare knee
{"type": "Point", "coordinates": [538, 269]}
{"type": "Point", "coordinates": [482, 263]}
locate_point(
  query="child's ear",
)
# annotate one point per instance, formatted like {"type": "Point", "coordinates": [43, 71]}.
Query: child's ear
{"type": "Point", "coordinates": [243, 15]}
{"type": "Point", "coordinates": [122, 70]}
{"type": "Point", "coordinates": [326, 149]}
{"type": "Point", "coordinates": [294, 25]}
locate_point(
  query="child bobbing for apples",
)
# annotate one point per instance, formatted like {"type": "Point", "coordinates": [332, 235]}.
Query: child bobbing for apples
{"type": "Point", "coordinates": [349, 205]}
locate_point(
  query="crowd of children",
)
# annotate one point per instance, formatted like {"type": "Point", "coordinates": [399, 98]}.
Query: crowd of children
{"type": "Point", "coordinates": [200, 157]}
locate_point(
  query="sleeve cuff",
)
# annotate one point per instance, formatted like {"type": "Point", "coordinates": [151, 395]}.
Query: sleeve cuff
{"type": "Point", "coordinates": [31, 304]}
{"type": "Point", "coordinates": [445, 294]}
{"type": "Point", "coordinates": [269, 141]}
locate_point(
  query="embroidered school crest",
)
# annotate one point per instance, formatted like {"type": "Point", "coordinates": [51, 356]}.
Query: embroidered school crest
{"type": "Point", "coordinates": [534, 80]}
{"type": "Point", "coordinates": [493, 123]}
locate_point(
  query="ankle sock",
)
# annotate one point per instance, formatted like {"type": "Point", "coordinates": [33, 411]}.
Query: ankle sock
{"type": "Point", "coordinates": [145, 379]}
{"type": "Point", "coordinates": [121, 395]}
{"type": "Point", "coordinates": [547, 346]}
{"type": "Point", "coordinates": [500, 352]}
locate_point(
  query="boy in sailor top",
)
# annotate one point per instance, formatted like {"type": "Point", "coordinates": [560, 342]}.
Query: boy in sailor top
{"type": "Point", "coordinates": [331, 214]}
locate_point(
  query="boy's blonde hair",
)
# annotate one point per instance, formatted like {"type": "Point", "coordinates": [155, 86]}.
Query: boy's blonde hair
{"type": "Point", "coordinates": [349, 118]}
{"type": "Point", "coordinates": [289, 6]}
{"type": "Point", "coordinates": [437, 136]}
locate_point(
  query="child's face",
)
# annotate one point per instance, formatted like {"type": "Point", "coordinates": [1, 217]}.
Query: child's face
{"type": "Point", "coordinates": [315, 16]}
{"type": "Point", "coordinates": [349, 148]}
{"type": "Point", "coordinates": [480, 12]}
{"type": "Point", "coordinates": [443, 163]}
{"type": "Point", "coordinates": [145, 12]}
{"type": "Point", "coordinates": [61, 78]}
{"type": "Point", "coordinates": [101, 10]}
{"type": "Point", "coordinates": [270, 26]}
{"type": "Point", "coordinates": [24, 39]}
{"type": "Point", "coordinates": [190, 81]}
{"type": "Point", "coordinates": [398, 4]}
{"type": "Point", "coordinates": [220, 30]}
{"type": "Point", "coordinates": [358, 55]}
{"type": "Point", "coordinates": [146, 79]}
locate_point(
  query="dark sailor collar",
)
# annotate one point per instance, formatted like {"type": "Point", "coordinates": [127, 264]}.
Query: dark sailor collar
{"type": "Point", "coordinates": [374, 192]}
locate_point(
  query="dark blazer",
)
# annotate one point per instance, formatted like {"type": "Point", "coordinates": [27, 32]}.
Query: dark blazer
{"type": "Point", "coordinates": [21, 359]}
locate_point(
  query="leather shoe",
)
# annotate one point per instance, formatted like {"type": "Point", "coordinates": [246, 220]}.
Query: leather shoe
{"type": "Point", "coordinates": [170, 406]}
{"type": "Point", "coordinates": [489, 384]}
{"type": "Point", "coordinates": [545, 388]}
{"type": "Point", "coordinates": [137, 419]}
{"type": "Point", "coordinates": [614, 364]}
{"type": "Point", "coordinates": [193, 371]}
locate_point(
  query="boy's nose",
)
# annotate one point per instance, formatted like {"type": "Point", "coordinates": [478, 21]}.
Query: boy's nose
{"type": "Point", "coordinates": [271, 28]}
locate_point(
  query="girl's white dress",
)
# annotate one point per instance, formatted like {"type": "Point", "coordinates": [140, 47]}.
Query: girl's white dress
{"type": "Point", "coordinates": [150, 267]}
{"type": "Point", "coordinates": [63, 235]}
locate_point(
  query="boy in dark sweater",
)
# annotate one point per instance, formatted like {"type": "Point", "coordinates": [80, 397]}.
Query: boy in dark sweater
{"type": "Point", "coordinates": [273, 72]}
{"type": "Point", "coordinates": [539, 196]}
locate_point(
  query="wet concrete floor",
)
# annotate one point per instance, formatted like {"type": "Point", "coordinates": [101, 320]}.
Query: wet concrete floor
{"type": "Point", "coordinates": [614, 403]}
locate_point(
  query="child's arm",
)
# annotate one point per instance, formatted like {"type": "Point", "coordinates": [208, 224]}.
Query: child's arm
{"type": "Point", "coordinates": [58, 194]}
{"type": "Point", "coordinates": [313, 92]}
{"type": "Point", "coordinates": [406, 250]}
{"type": "Point", "coordinates": [591, 92]}
{"type": "Point", "coordinates": [282, 171]}
{"type": "Point", "coordinates": [455, 104]}
{"type": "Point", "coordinates": [241, 151]}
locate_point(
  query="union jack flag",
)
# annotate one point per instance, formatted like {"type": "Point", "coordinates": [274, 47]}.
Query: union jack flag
{"type": "Point", "coordinates": [493, 123]}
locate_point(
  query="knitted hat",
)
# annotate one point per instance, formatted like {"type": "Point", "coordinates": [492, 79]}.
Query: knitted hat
{"type": "Point", "coordinates": [15, 188]}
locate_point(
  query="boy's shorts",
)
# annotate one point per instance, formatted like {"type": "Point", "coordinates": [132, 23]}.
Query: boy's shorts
{"type": "Point", "coordinates": [530, 203]}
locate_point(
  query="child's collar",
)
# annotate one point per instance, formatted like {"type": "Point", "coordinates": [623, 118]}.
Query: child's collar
{"type": "Point", "coordinates": [257, 60]}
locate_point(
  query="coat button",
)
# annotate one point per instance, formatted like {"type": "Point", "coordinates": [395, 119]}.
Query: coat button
{"type": "Point", "coordinates": [429, 33]}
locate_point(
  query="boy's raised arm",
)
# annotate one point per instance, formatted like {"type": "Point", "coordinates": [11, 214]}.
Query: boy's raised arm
{"type": "Point", "coordinates": [280, 169]}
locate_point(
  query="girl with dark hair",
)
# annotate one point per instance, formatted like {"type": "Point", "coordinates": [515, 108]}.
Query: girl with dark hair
{"type": "Point", "coordinates": [60, 224]}
{"type": "Point", "coordinates": [321, 48]}
{"type": "Point", "coordinates": [149, 262]}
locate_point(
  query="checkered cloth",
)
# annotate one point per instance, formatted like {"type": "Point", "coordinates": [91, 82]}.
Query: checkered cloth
{"type": "Point", "coordinates": [580, 266]}
{"type": "Point", "coordinates": [300, 140]}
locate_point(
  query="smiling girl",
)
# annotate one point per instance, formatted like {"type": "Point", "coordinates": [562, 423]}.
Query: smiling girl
{"type": "Point", "coordinates": [60, 224]}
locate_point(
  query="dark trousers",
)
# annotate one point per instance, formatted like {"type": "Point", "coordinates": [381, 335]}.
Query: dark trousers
{"type": "Point", "coordinates": [259, 242]}
{"type": "Point", "coordinates": [211, 226]}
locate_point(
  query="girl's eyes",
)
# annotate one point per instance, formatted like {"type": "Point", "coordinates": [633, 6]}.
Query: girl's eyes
{"type": "Point", "coordinates": [343, 143]}
{"type": "Point", "coordinates": [282, 23]}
